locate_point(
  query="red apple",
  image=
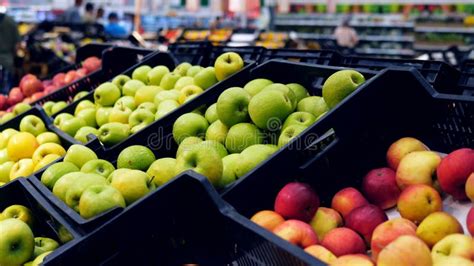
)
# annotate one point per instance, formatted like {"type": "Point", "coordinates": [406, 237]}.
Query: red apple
{"type": "Point", "coordinates": [388, 231]}
{"type": "Point", "coordinates": [3, 102]}
{"type": "Point", "coordinates": [81, 72]}
{"type": "Point", "coordinates": [365, 219]}
{"type": "Point", "coordinates": [91, 64]}
{"type": "Point", "coordinates": [50, 89]}
{"type": "Point", "coordinates": [454, 170]}
{"type": "Point", "coordinates": [380, 187]}
{"type": "Point", "coordinates": [47, 83]}
{"type": "Point", "coordinates": [297, 232]}
{"type": "Point", "coordinates": [297, 201]}
{"type": "Point", "coordinates": [353, 259]}
{"type": "Point", "coordinates": [267, 219]}
{"type": "Point", "coordinates": [70, 77]}
{"type": "Point", "coordinates": [37, 96]}
{"type": "Point", "coordinates": [58, 80]}
{"type": "Point", "coordinates": [343, 241]}
{"type": "Point", "coordinates": [470, 221]}
{"type": "Point", "coordinates": [402, 147]}
{"type": "Point", "coordinates": [15, 96]}
{"type": "Point", "coordinates": [25, 78]}
{"type": "Point", "coordinates": [30, 86]}
{"type": "Point", "coordinates": [347, 199]}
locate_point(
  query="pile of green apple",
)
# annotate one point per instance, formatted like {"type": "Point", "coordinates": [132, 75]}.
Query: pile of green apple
{"type": "Point", "coordinates": [27, 150]}
{"type": "Point", "coordinates": [91, 186]}
{"type": "Point", "coordinates": [127, 105]}
{"type": "Point", "coordinates": [18, 245]}
{"type": "Point", "coordinates": [51, 108]}
{"type": "Point", "coordinates": [17, 110]}
{"type": "Point", "coordinates": [246, 125]}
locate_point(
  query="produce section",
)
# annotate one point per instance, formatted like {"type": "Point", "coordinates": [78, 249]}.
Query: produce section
{"type": "Point", "coordinates": [265, 145]}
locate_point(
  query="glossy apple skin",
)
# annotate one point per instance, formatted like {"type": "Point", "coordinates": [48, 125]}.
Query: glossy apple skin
{"type": "Point", "coordinates": [380, 187]}
{"type": "Point", "coordinates": [347, 199]}
{"type": "Point", "coordinates": [417, 167]}
{"type": "Point", "coordinates": [454, 170]}
{"type": "Point", "coordinates": [418, 201]}
{"type": "Point", "coordinates": [297, 232]}
{"type": "Point", "coordinates": [365, 219]}
{"type": "Point", "coordinates": [404, 251]}
{"type": "Point", "coordinates": [297, 201]}
{"type": "Point", "coordinates": [343, 241]}
{"type": "Point", "coordinates": [402, 147]}
{"type": "Point", "coordinates": [388, 231]}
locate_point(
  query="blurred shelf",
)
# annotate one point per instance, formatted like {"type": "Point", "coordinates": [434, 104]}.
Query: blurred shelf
{"type": "Point", "coordinates": [312, 23]}
{"type": "Point", "coordinates": [390, 52]}
{"type": "Point", "coordinates": [369, 38]}
{"type": "Point", "coordinates": [458, 30]}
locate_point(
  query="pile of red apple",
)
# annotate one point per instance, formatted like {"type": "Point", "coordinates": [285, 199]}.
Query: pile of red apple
{"type": "Point", "coordinates": [31, 88]}
{"type": "Point", "coordinates": [421, 233]}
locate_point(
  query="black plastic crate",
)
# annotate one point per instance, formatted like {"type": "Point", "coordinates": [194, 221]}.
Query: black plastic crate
{"type": "Point", "coordinates": [168, 228]}
{"type": "Point", "coordinates": [440, 75]}
{"type": "Point", "coordinates": [114, 61]}
{"type": "Point", "coordinates": [399, 103]}
{"type": "Point", "coordinates": [191, 52]}
{"type": "Point", "coordinates": [14, 123]}
{"type": "Point", "coordinates": [466, 81]}
{"type": "Point", "coordinates": [47, 221]}
{"type": "Point", "coordinates": [320, 57]}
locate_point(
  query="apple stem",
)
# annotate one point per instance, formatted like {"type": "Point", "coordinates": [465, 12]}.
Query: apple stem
{"type": "Point", "coordinates": [151, 180]}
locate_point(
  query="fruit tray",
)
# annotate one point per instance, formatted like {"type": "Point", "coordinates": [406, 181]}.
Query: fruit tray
{"type": "Point", "coordinates": [320, 57]}
{"type": "Point", "coordinates": [111, 66]}
{"type": "Point", "coordinates": [439, 74]}
{"type": "Point", "coordinates": [46, 221]}
{"type": "Point", "coordinates": [217, 235]}
{"type": "Point", "coordinates": [466, 81]}
{"type": "Point", "coordinates": [191, 52]}
{"type": "Point", "coordinates": [14, 123]}
{"type": "Point", "coordinates": [444, 123]}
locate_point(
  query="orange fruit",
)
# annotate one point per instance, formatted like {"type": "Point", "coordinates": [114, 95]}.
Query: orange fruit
{"type": "Point", "coordinates": [21, 146]}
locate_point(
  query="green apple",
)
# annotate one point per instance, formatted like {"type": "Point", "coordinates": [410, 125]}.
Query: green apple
{"type": "Point", "coordinates": [98, 166]}
{"type": "Point", "coordinates": [39, 260]}
{"type": "Point", "coordinates": [131, 87]}
{"type": "Point", "coordinates": [183, 82]}
{"type": "Point", "coordinates": [232, 106]}
{"type": "Point", "coordinates": [64, 183]}
{"type": "Point", "coordinates": [59, 119]}
{"type": "Point", "coordinates": [57, 107]}
{"type": "Point", "coordinates": [32, 124]}
{"type": "Point", "coordinates": [120, 114]}
{"type": "Point", "coordinates": [85, 104]}
{"type": "Point", "coordinates": [102, 115]}
{"type": "Point", "coordinates": [97, 199]}
{"type": "Point", "coordinates": [299, 91]}
{"type": "Point", "coordinates": [72, 125]}
{"type": "Point", "coordinates": [17, 242]}
{"type": "Point", "coordinates": [227, 64]}
{"type": "Point", "coordinates": [255, 86]}
{"type": "Point", "coordinates": [113, 133]}
{"type": "Point", "coordinates": [269, 109]}
{"type": "Point", "coordinates": [204, 160]}
{"type": "Point", "coordinates": [5, 136]}
{"type": "Point", "coordinates": [47, 107]}
{"type": "Point", "coordinates": [135, 157]}
{"type": "Point", "coordinates": [217, 131]}
{"type": "Point", "coordinates": [3, 156]}
{"type": "Point", "coordinates": [146, 94]}
{"type": "Point", "coordinates": [211, 113]}
{"type": "Point", "coordinates": [166, 95]}
{"type": "Point", "coordinates": [48, 137]}
{"type": "Point", "coordinates": [80, 95]}
{"type": "Point", "coordinates": [6, 117]}
{"type": "Point", "coordinates": [299, 118]}
{"type": "Point", "coordinates": [166, 107]}
{"type": "Point", "coordinates": [285, 89]}
{"type": "Point", "coordinates": [241, 136]}
{"type": "Point", "coordinates": [162, 170]}
{"type": "Point", "coordinates": [188, 125]}
{"type": "Point", "coordinates": [19, 212]}
{"type": "Point", "coordinates": [189, 92]}
{"type": "Point", "coordinates": [128, 101]}
{"type": "Point", "coordinates": [141, 117]}
{"type": "Point", "coordinates": [186, 144]}
{"type": "Point", "coordinates": [149, 106]}
{"type": "Point", "coordinates": [120, 80]}
{"type": "Point", "coordinates": [182, 69]}
{"type": "Point", "coordinates": [132, 184]}
{"type": "Point", "coordinates": [169, 80]}
{"type": "Point", "coordinates": [5, 169]}
{"type": "Point", "coordinates": [74, 192]}
{"type": "Point", "coordinates": [141, 73]}
{"type": "Point", "coordinates": [229, 163]}
{"type": "Point", "coordinates": [83, 132]}
{"type": "Point", "coordinates": [289, 133]}
{"type": "Point", "coordinates": [205, 78]}
{"type": "Point", "coordinates": [339, 85]}
{"type": "Point", "coordinates": [137, 128]}
{"type": "Point", "coordinates": [219, 147]}
{"type": "Point", "coordinates": [88, 115]}
{"type": "Point", "coordinates": [253, 156]}
{"type": "Point", "coordinates": [192, 71]}
{"type": "Point", "coordinates": [21, 108]}
{"type": "Point", "coordinates": [79, 155]}
{"type": "Point", "coordinates": [116, 172]}
{"type": "Point", "coordinates": [56, 171]}
{"type": "Point", "coordinates": [155, 75]}
{"type": "Point", "coordinates": [106, 94]}
{"type": "Point", "coordinates": [44, 244]}
{"type": "Point", "coordinates": [314, 105]}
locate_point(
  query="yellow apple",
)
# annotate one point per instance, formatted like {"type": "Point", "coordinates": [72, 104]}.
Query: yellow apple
{"type": "Point", "coordinates": [402, 147]}
{"type": "Point", "coordinates": [45, 149]}
{"type": "Point", "coordinates": [436, 226]}
{"type": "Point", "coordinates": [457, 245]}
{"type": "Point", "coordinates": [45, 161]}
{"type": "Point", "coordinates": [417, 167]}
{"type": "Point", "coordinates": [406, 250]}
{"type": "Point", "coordinates": [22, 168]}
